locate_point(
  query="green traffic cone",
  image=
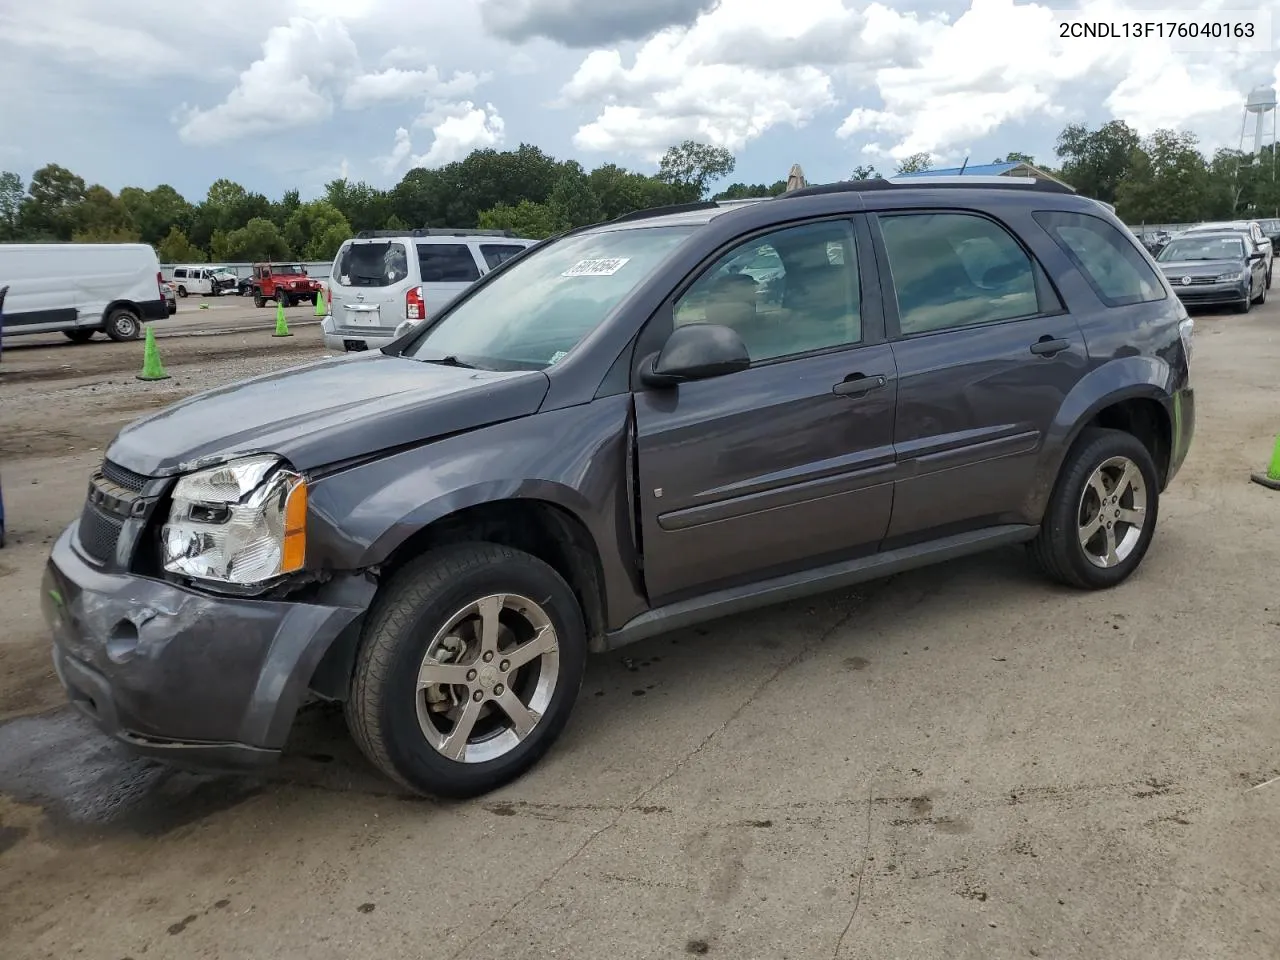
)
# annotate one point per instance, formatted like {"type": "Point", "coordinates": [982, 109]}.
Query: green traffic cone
{"type": "Point", "coordinates": [320, 306]}
{"type": "Point", "coordinates": [1271, 478]}
{"type": "Point", "coordinates": [152, 368]}
{"type": "Point", "coordinates": [282, 328]}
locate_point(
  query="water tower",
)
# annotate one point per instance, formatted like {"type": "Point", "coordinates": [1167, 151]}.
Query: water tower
{"type": "Point", "coordinates": [1261, 105]}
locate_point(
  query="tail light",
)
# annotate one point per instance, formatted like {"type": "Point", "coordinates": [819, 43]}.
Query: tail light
{"type": "Point", "coordinates": [160, 283]}
{"type": "Point", "coordinates": [415, 308]}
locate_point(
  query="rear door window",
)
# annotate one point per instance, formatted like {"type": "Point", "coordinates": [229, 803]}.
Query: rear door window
{"type": "Point", "coordinates": [447, 263]}
{"type": "Point", "coordinates": [1109, 260]}
{"type": "Point", "coordinates": [379, 263]}
{"type": "Point", "coordinates": [498, 253]}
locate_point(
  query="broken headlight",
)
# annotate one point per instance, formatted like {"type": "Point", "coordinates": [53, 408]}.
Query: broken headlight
{"type": "Point", "coordinates": [243, 522]}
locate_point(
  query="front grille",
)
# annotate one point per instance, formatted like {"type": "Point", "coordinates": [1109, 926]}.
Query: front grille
{"type": "Point", "coordinates": [113, 496]}
{"type": "Point", "coordinates": [99, 533]}
{"type": "Point", "coordinates": [122, 477]}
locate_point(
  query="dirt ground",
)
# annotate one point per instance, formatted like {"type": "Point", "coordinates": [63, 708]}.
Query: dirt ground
{"type": "Point", "coordinates": [962, 762]}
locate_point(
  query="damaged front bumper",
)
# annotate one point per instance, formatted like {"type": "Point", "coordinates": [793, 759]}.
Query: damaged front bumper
{"type": "Point", "coordinates": [189, 677]}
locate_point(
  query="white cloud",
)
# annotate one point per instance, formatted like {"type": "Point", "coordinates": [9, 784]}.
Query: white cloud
{"type": "Point", "coordinates": [292, 85]}
{"type": "Point", "coordinates": [467, 128]}
{"type": "Point", "coordinates": [740, 69]}
{"type": "Point", "coordinates": [397, 84]}
{"type": "Point", "coordinates": [400, 152]}
{"type": "Point", "coordinates": [954, 95]}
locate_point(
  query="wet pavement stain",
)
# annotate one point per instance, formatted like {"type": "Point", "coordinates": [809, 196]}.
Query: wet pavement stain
{"type": "Point", "coordinates": [81, 778]}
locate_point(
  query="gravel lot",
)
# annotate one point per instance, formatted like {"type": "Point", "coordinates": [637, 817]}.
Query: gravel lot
{"type": "Point", "coordinates": [962, 762]}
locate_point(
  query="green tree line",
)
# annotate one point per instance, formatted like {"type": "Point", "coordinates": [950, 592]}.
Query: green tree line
{"type": "Point", "coordinates": [1163, 178]}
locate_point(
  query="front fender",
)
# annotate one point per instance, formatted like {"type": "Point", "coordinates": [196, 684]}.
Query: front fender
{"type": "Point", "coordinates": [1124, 378]}
{"type": "Point", "coordinates": [573, 458]}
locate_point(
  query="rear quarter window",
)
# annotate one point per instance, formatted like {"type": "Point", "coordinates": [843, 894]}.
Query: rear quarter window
{"type": "Point", "coordinates": [447, 263]}
{"type": "Point", "coordinates": [1111, 263]}
{"type": "Point", "coordinates": [498, 253]}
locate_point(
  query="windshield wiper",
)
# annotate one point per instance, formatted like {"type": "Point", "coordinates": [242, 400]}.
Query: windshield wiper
{"type": "Point", "coordinates": [452, 361]}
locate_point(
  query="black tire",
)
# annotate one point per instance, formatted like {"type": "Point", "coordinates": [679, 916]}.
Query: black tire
{"type": "Point", "coordinates": [1057, 550]}
{"type": "Point", "coordinates": [258, 299]}
{"type": "Point", "coordinates": [417, 602]}
{"type": "Point", "coordinates": [1244, 307]}
{"type": "Point", "coordinates": [182, 292]}
{"type": "Point", "coordinates": [122, 324]}
{"type": "Point", "coordinates": [1261, 298]}
{"type": "Point", "coordinates": [1269, 272]}
{"type": "Point", "coordinates": [79, 336]}
{"type": "Point", "coordinates": [284, 299]}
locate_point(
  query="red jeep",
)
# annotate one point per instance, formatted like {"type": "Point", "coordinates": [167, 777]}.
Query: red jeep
{"type": "Point", "coordinates": [286, 283]}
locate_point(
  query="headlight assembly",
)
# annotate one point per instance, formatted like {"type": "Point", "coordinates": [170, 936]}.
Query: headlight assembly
{"type": "Point", "coordinates": [244, 523]}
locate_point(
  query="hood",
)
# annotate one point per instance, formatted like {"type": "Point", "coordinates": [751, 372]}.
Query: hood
{"type": "Point", "coordinates": [1200, 268]}
{"type": "Point", "coordinates": [325, 412]}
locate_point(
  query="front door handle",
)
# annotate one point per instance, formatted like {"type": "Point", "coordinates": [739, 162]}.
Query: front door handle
{"type": "Point", "coordinates": [1047, 346]}
{"type": "Point", "coordinates": [858, 385]}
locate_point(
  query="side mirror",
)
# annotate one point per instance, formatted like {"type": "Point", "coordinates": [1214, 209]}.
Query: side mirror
{"type": "Point", "coordinates": [696, 352]}
{"type": "Point", "coordinates": [1258, 255]}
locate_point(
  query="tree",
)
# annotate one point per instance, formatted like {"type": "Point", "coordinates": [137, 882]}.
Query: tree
{"type": "Point", "coordinates": [316, 230]}
{"type": "Point", "coordinates": [916, 163]}
{"type": "Point", "coordinates": [571, 201]}
{"type": "Point", "coordinates": [743, 191]}
{"type": "Point", "coordinates": [259, 239]}
{"type": "Point", "coordinates": [1167, 179]}
{"type": "Point", "coordinates": [101, 217]}
{"type": "Point", "coordinates": [864, 172]}
{"type": "Point", "coordinates": [12, 191]}
{"type": "Point", "coordinates": [535, 221]}
{"type": "Point", "coordinates": [395, 223]}
{"type": "Point", "coordinates": [49, 210]}
{"type": "Point", "coordinates": [1015, 157]}
{"type": "Point", "coordinates": [176, 248]}
{"type": "Point", "coordinates": [157, 211]}
{"type": "Point", "coordinates": [692, 166]}
{"type": "Point", "coordinates": [1095, 162]}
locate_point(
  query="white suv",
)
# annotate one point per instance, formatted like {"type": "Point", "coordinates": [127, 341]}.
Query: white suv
{"type": "Point", "coordinates": [1251, 227]}
{"type": "Point", "coordinates": [382, 278]}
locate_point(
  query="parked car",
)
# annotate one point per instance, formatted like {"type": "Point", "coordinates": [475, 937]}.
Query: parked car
{"type": "Point", "coordinates": [382, 278]}
{"type": "Point", "coordinates": [80, 289]}
{"type": "Point", "coordinates": [1251, 228]}
{"type": "Point", "coordinates": [607, 437]}
{"type": "Point", "coordinates": [1216, 268]}
{"type": "Point", "coordinates": [285, 283]}
{"type": "Point", "coordinates": [200, 280]}
{"type": "Point", "coordinates": [170, 296]}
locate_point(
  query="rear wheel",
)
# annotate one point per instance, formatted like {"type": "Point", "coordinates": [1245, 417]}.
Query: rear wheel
{"type": "Point", "coordinates": [79, 336]}
{"type": "Point", "coordinates": [258, 299]}
{"type": "Point", "coordinates": [182, 291]}
{"type": "Point", "coordinates": [469, 667]}
{"type": "Point", "coordinates": [123, 324]}
{"type": "Point", "coordinates": [1102, 513]}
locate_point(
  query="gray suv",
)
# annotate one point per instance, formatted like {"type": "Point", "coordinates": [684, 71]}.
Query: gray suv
{"type": "Point", "coordinates": [630, 428]}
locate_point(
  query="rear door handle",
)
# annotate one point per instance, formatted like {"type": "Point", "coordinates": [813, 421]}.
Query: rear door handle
{"type": "Point", "coordinates": [1047, 346]}
{"type": "Point", "coordinates": [858, 385]}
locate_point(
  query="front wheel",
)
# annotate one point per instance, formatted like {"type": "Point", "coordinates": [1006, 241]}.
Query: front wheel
{"type": "Point", "coordinates": [468, 669]}
{"type": "Point", "coordinates": [79, 336]}
{"type": "Point", "coordinates": [123, 325]}
{"type": "Point", "coordinates": [182, 292]}
{"type": "Point", "coordinates": [1102, 513]}
{"type": "Point", "coordinates": [1261, 298]}
{"type": "Point", "coordinates": [259, 300]}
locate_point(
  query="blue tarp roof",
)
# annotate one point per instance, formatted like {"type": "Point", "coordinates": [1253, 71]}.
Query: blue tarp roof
{"type": "Point", "coordinates": [971, 170]}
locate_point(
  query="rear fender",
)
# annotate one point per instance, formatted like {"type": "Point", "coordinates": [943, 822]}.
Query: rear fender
{"type": "Point", "coordinates": [1124, 378]}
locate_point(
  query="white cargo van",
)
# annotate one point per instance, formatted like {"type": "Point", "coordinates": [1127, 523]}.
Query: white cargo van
{"type": "Point", "coordinates": [383, 278]}
{"type": "Point", "coordinates": [203, 281]}
{"type": "Point", "coordinates": [80, 289]}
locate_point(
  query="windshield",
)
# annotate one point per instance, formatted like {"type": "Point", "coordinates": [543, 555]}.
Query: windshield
{"type": "Point", "coordinates": [540, 307]}
{"type": "Point", "coordinates": [287, 269]}
{"type": "Point", "coordinates": [1203, 248]}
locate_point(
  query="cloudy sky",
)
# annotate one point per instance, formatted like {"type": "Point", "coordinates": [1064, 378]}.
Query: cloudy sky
{"type": "Point", "coordinates": [293, 93]}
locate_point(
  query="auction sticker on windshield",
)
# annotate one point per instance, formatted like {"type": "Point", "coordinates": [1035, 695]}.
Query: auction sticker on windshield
{"type": "Point", "coordinates": [606, 267]}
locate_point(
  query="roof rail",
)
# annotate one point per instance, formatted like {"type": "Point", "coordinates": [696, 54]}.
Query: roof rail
{"type": "Point", "coordinates": [929, 183]}
{"type": "Point", "coordinates": [435, 232]}
{"type": "Point", "coordinates": [669, 209]}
